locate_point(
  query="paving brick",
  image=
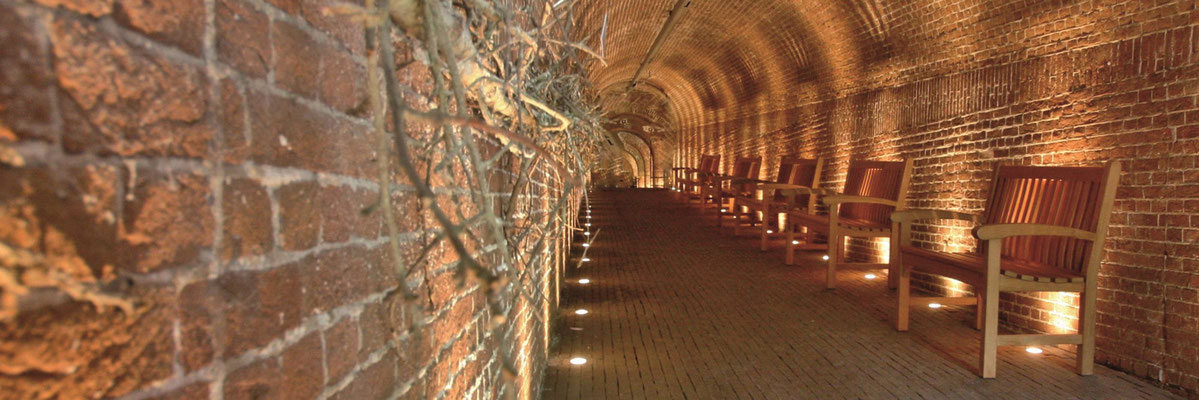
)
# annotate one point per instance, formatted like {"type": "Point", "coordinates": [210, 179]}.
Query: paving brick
{"type": "Point", "coordinates": [682, 309]}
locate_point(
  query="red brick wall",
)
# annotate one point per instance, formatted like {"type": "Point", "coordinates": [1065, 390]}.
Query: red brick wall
{"type": "Point", "coordinates": [1056, 83]}
{"type": "Point", "coordinates": [210, 160]}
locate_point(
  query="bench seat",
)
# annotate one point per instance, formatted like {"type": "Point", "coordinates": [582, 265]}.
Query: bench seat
{"type": "Point", "coordinates": [971, 268]}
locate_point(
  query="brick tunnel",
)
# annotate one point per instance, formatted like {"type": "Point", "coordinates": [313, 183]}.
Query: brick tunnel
{"type": "Point", "coordinates": [592, 199]}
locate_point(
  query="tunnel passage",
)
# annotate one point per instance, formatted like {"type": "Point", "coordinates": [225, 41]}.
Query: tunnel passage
{"type": "Point", "coordinates": [204, 198]}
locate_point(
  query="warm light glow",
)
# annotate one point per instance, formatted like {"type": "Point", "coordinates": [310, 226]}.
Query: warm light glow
{"type": "Point", "coordinates": [871, 276]}
{"type": "Point", "coordinates": [1034, 350]}
{"type": "Point", "coordinates": [768, 231]}
{"type": "Point", "coordinates": [824, 257]}
{"type": "Point", "coordinates": [587, 224]}
{"type": "Point", "coordinates": [586, 233]}
{"type": "Point", "coordinates": [588, 217]}
{"type": "Point", "coordinates": [794, 242]}
{"type": "Point", "coordinates": [586, 244]}
{"type": "Point", "coordinates": [578, 361]}
{"type": "Point", "coordinates": [934, 305]}
{"type": "Point", "coordinates": [723, 210]}
{"type": "Point", "coordinates": [585, 259]}
{"type": "Point", "coordinates": [581, 311]}
{"type": "Point", "coordinates": [584, 281]}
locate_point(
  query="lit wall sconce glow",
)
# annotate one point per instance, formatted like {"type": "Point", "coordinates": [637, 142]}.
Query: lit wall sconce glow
{"type": "Point", "coordinates": [871, 276]}
{"type": "Point", "coordinates": [584, 281]}
{"type": "Point", "coordinates": [1034, 350]}
{"type": "Point", "coordinates": [934, 305]}
{"type": "Point", "coordinates": [794, 242]}
{"type": "Point", "coordinates": [581, 311]}
{"type": "Point", "coordinates": [586, 244]}
{"type": "Point", "coordinates": [585, 259]}
{"type": "Point", "coordinates": [578, 361]}
{"type": "Point", "coordinates": [824, 257]}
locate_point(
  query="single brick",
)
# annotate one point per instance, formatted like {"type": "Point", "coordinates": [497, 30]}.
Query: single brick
{"type": "Point", "coordinates": [243, 37]}
{"type": "Point", "coordinates": [246, 207]}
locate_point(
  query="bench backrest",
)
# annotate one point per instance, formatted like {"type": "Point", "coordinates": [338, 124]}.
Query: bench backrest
{"type": "Point", "coordinates": [709, 163]}
{"type": "Point", "coordinates": [747, 168]}
{"type": "Point", "coordinates": [794, 170]}
{"type": "Point", "coordinates": [1075, 197]}
{"type": "Point", "coordinates": [879, 179]}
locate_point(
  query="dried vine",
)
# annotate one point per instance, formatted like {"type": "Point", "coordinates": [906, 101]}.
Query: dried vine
{"type": "Point", "coordinates": [509, 101]}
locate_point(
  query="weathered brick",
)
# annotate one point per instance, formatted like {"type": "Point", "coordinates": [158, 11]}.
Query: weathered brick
{"type": "Point", "coordinates": [349, 213]}
{"type": "Point", "coordinates": [258, 306]}
{"type": "Point", "coordinates": [296, 68]}
{"type": "Point", "coordinates": [341, 348]}
{"type": "Point", "coordinates": [287, 133]}
{"type": "Point", "coordinates": [179, 23]}
{"type": "Point", "coordinates": [243, 37]}
{"type": "Point", "coordinates": [166, 219]}
{"type": "Point", "coordinates": [299, 215]}
{"type": "Point", "coordinates": [376, 381]}
{"type": "Point", "coordinates": [303, 369]}
{"type": "Point", "coordinates": [259, 380]}
{"type": "Point", "coordinates": [149, 105]}
{"type": "Point", "coordinates": [246, 207]}
{"type": "Point", "coordinates": [25, 79]}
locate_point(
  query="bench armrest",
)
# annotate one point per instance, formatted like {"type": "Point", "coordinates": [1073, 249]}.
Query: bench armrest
{"type": "Point", "coordinates": [842, 198]}
{"type": "Point", "coordinates": [905, 216]}
{"type": "Point", "coordinates": [999, 231]}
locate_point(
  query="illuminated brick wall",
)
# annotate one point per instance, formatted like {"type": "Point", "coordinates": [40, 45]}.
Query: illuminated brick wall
{"type": "Point", "coordinates": [210, 160]}
{"type": "Point", "coordinates": [960, 87]}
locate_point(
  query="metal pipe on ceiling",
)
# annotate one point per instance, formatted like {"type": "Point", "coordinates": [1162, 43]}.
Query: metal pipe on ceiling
{"type": "Point", "coordinates": [675, 16]}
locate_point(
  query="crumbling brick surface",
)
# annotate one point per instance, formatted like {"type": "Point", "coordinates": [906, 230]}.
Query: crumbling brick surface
{"type": "Point", "coordinates": [191, 189]}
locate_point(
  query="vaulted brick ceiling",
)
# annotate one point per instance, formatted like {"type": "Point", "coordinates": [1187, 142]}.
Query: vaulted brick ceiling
{"type": "Point", "coordinates": [729, 58]}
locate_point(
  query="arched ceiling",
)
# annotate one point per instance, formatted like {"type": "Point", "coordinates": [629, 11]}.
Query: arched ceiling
{"type": "Point", "coordinates": [728, 59]}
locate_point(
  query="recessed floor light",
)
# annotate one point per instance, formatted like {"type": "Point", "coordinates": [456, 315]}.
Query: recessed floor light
{"type": "Point", "coordinates": [1034, 350]}
{"type": "Point", "coordinates": [581, 311]}
{"type": "Point", "coordinates": [794, 242]}
{"type": "Point", "coordinates": [871, 276]}
{"type": "Point", "coordinates": [825, 257]}
{"type": "Point", "coordinates": [585, 259]}
{"type": "Point", "coordinates": [934, 305]}
{"type": "Point", "coordinates": [586, 244]}
{"type": "Point", "coordinates": [768, 231]}
{"type": "Point", "coordinates": [578, 361]}
{"type": "Point", "coordinates": [584, 281]}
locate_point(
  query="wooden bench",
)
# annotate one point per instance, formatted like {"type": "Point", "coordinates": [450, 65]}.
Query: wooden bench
{"type": "Point", "coordinates": [1043, 230]}
{"type": "Point", "coordinates": [793, 173]}
{"type": "Point", "coordinates": [873, 189]}
{"type": "Point", "coordinates": [727, 187]}
{"type": "Point", "coordinates": [688, 180]}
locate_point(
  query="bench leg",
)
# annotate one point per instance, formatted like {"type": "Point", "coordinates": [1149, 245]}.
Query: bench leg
{"type": "Point", "coordinates": [736, 221]}
{"type": "Point", "coordinates": [990, 334]}
{"type": "Point", "coordinates": [1086, 327]}
{"type": "Point", "coordinates": [790, 244]}
{"type": "Point", "coordinates": [905, 300]}
{"type": "Point", "coordinates": [893, 258]}
{"type": "Point", "coordinates": [836, 242]}
{"type": "Point", "coordinates": [766, 236]}
{"type": "Point", "coordinates": [979, 311]}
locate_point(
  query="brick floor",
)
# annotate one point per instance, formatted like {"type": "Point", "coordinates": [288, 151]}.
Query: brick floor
{"type": "Point", "coordinates": [680, 309]}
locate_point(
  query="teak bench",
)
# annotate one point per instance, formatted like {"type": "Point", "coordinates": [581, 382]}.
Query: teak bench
{"type": "Point", "coordinates": [873, 189]}
{"type": "Point", "coordinates": [794, 173]}
{"type": "Point", "coordinates": [720, 188]}
{"type": "Point", "coordinates": [1043, 229]}
{"type": "Point", "coordinates": [688, 180]}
